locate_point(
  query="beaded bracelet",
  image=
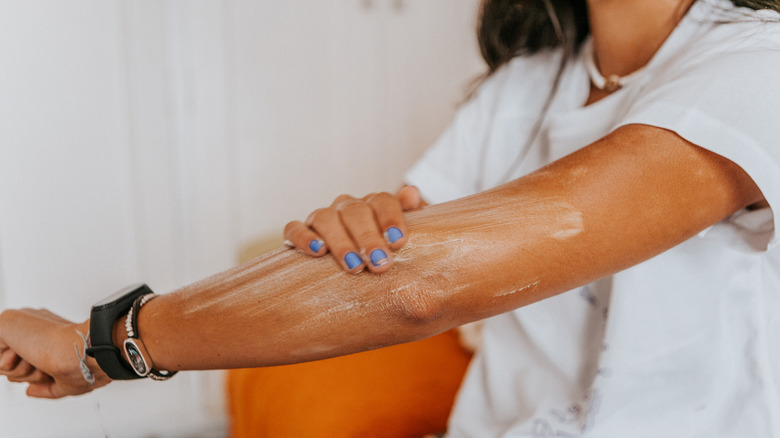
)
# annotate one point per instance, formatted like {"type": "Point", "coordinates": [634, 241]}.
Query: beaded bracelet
{"type": "Point", "coordinates": [135, 349]}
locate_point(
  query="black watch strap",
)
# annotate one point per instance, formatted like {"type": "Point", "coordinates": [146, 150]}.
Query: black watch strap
{"type": "Point", "coordinates": [101, 331]}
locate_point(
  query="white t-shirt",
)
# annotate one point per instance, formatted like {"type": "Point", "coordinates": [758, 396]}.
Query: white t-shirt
{"type": "Point", "coordinates": [686, 344]}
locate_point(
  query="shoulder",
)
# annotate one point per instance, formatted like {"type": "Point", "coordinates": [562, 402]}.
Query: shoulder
{"type": "Point", "coordinates": [723, 53]}
{"type": "Point", "coordinates": [719, 34]}
{"type": "Point", "coordinates": [718, 90]}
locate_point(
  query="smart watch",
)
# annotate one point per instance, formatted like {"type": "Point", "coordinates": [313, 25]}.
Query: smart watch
{"type": "Point", "coordinates": [101, 329]}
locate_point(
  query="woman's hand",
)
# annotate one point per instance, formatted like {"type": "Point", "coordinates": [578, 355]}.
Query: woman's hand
{"type": "Point", "coordinates": [42, 349]}
{"type": "Point", "coordinates": [359, 232]}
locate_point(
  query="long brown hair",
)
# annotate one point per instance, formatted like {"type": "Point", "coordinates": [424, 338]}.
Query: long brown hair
{"type": "Point", "coordinates": [508, 28]}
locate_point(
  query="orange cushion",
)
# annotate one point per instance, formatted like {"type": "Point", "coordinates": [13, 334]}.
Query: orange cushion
{"type": "Point", "coordinates": [401, 391]}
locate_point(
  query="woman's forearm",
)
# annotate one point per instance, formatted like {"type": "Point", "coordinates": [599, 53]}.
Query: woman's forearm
{"type": "Point", "coordinates": [287, 307]}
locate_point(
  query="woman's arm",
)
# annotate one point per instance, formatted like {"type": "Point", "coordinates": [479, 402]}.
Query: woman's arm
{"type": "Point", "coordinates": [635, 193]}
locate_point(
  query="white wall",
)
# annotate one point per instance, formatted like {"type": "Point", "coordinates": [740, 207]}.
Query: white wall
{"type": "Point", "coordinates": [357, 90]}
{"type": "Point", "coordinates": [151, 140]}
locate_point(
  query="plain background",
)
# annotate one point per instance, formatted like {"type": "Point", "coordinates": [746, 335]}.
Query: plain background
{"type": "Point", "coordinates": [153, 140]}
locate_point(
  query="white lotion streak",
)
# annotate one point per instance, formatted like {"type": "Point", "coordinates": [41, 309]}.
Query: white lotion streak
{"type": "Point", "coordinates": [522, 289]}
{"type": "Point", "coordinates": [316, 310]}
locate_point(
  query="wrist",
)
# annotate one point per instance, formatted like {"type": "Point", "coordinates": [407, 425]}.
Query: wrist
{"type": "Point", "coordinates": [105, 325]}
{"type": "Point", "coordinates": [116, 344]}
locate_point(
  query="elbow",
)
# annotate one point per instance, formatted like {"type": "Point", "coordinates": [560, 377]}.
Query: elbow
{"type": "Point", "coordinates": [418, 305]}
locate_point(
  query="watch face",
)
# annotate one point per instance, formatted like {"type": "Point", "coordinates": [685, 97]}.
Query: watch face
{"type": "Point", "coordinates": [136, 289]}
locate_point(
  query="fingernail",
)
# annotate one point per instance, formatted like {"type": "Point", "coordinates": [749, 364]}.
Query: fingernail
{"type": "Point", "coordinates": [379, 257]}
{"type": "Point", "coordinates": [315, 245]}
{"type": "Point", "coordinates": [393, 234]}
{"type": "Point", "coordinates": [352, 260]}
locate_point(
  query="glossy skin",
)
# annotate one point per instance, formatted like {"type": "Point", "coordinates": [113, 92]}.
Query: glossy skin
{"type": "Point", "coordinates": [612, 204]}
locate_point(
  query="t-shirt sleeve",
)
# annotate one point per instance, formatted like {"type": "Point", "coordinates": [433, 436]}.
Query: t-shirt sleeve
{"type": "Point", "coordinates": [446, 170]}
{"type": "Point", "coordinates": [730, 105]}
{"type": "Point", "coordinates": [478, 149]}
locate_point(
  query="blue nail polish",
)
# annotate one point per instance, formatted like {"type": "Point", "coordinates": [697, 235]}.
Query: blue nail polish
{"type": "Point", "coordinates": [315, 245]}
{"type": "Point", "coordinates": [393, 234]}
{"type": "Point", "coordinates": [379, 257]}
{"type": "Point", "coordinates": [352, 260]}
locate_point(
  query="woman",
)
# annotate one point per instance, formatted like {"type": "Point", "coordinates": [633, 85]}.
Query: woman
{"type": "Point", "coordinates": [654, 127]}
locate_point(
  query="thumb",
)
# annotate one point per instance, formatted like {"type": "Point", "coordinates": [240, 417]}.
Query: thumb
{"type": "Point", "coordinates": [44, 390]}
{"type": "Point", "coordinates": [51, 388]}
{"type": "Point", "coordinates": [410, 199]}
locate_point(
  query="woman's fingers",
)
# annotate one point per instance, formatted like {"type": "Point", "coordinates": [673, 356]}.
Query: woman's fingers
{"type": "Point", "coordinates": [299, 235]}
{"type": "Point", "coordinates": [359, 233]}
{"type": "Point", "coordinates": [327, 223]}
{"type": "Point", "coordinates": [360, 221]}
{"type": "Point", "coordinates": [410, 198]}
{"type": "Point", "coordinates": [9, 360]}
{"type": "Point", "coordinates": [21, 373]}
{"type": "Point", "coordinates": [389, 217]}
{"type": "Point", "coordinates": [16, 369]}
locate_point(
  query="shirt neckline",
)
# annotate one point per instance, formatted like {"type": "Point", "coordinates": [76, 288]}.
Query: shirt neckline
{"type": "Point", "coordinates": [688, 25]}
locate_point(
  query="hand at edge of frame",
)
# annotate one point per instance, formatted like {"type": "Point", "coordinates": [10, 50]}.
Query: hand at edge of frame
{"type": "Point", "coordinates": [43, 350]}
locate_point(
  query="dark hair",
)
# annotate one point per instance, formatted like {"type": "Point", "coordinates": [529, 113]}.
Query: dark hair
{"type": "Point", "coordinates": [508, 28]}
